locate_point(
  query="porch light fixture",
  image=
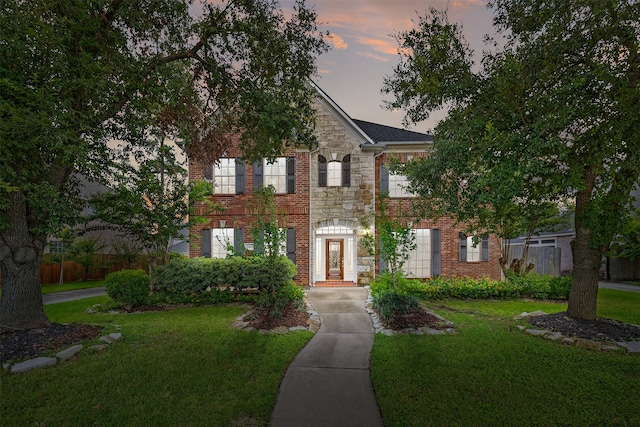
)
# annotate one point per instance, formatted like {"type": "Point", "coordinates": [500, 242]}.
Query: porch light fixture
{"type": "Point", "coordinates": [223, 223]}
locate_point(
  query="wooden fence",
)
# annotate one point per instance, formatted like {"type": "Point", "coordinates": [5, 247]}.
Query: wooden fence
{"type": "Point", "coordinates": [50, 272]}
{"type": "Point", "coordinates": [546, 259]}
{"type": "Point", "coordinates": [621, 269]}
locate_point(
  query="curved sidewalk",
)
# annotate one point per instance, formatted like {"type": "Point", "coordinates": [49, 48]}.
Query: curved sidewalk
{"type": "Point", "coordinates": [329, 382]}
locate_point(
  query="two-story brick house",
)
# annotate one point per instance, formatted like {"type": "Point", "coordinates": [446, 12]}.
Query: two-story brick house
{"type": "Point", "coordinates": [323, 194]}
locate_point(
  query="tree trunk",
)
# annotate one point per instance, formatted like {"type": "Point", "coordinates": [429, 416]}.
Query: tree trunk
{"type": "Point", "coordinates": [20, 257]}
{"type": "Point", "coordinates": [586, 273]}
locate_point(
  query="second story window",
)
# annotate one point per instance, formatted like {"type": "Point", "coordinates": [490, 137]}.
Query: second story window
{"type": "Point", "coordinates": [396, 185]}
{"type": "Point", "coordinates": [227, 175]}
{"type": "Point", "coordinates": [334, 173]}
{"type": "Point", "coordinates": [281, 174]}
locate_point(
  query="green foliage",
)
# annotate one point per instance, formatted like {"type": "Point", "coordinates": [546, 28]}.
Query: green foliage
{"type": "Point", "coordinates": [396, 240]}
{"type": "Point", "coordinates": [85, 252]}
{"type": "Point", "coordinates": [199, 275]}
{"type": "Point", "coordinates": [268, 237]}
{"type": "Point", "coordinates": [628, 243]}
{"type": "Point", "coordinates": [531, 285]}
{"type": "Point", "coordinates": [526, 129]}
{"type": "Point", "coordinates": [277, 301]}
{"type": "Point", "coordinates": [129, 287]}
{"type": "Point", "coordinates": [76, 76]}
{"type": "Point", "coordinates": [388, 304]}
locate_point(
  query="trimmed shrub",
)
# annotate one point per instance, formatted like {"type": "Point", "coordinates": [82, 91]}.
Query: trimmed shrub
{"type": "Point", "coordinates": [128, 287]}
{"type": "Point", "coordinates": [531, 285]}
{"type": "Point", "coordinates": [277, 301]}
{"type": "Point", "coordinates": [197, 276]}
{"type": "Point", "coordinates": [389, 304]}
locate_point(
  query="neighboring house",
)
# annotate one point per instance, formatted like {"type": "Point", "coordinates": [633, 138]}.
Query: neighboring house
{"type": "Point", "coordinates": [106, 236]}
{"type": "Point", "coordinates": [324, 193]}
{"type": "Point", "coordinates": [550, 251]}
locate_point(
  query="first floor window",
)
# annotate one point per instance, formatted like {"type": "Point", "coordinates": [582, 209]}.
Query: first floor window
{"type": "Point", "coordinates": [424, 260]}
{"type": "Point", "coordinates": [419, 263]}
{"type": "Point", "coordinates": [222, 242]}
{"type": "Point", "coordinates": [471, 251]}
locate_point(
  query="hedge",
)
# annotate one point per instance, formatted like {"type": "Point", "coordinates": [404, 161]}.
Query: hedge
{"type": "Point", "coordinates": [199, 275]}
{"type": "Point", "coordinates": [531, 285]}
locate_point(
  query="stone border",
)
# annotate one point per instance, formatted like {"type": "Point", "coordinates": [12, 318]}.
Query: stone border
{"type": "Point", "coordinates": [380, 329]}
{"type": "Point", "coordinates": [629, 347]}
{"type": "Point", "coordinates": [313, 324]}
{"type": "Point", "coordinates": [61, 356]}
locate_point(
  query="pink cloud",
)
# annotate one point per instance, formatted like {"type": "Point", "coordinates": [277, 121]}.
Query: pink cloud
{"type": "Point", "coordinates": [373, 56]}
{"type": "Point", "coordinates": [336, 41]}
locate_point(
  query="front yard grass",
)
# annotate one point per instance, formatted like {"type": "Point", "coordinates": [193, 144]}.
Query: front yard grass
{"type": "Point", "coordinates": [491, 374]}
{"type": "Point", "coordinates": [185, 366]}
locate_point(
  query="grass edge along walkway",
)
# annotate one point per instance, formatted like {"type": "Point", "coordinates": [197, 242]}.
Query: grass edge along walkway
{"type": "Point", "coordinates": [490, 373]}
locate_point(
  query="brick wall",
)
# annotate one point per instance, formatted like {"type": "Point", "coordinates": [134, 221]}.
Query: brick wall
{"type": "Point", "coordinates": [293, 210]}
{"type": "Point", "coordinates": [449, 234]}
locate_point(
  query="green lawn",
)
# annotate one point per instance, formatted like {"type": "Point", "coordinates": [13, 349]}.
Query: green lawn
{"type": "Point", "coordinates": [180, 367]}
{"type": "Point", "coordinates": [492, 374]}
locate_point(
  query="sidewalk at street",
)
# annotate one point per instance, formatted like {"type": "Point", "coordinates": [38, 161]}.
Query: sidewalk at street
{"type": "Point", "coordinates": [618, 286]}
{"type": "Point", "coordinates": [65, 296]}
{"type": "Point", "coordinates": [329, 383]}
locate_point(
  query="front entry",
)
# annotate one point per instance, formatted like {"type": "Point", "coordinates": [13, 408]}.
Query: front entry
{"type": "Point", "coordinates": [335, 259]}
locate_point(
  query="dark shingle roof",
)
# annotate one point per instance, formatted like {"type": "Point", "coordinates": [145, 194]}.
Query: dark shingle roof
{"type": "Point", "coordinates": [383, 133]}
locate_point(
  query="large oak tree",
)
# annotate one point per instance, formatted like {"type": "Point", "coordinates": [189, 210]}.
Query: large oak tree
{"type": "Point", "coordinates": [76, 75]}
{"type": "Point", "coordinates": [549, 115]}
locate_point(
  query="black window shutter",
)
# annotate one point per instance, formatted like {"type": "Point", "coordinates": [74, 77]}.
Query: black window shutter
{"type": "Point", "coordinates": [382, 265]}
{"type": "Point", "coordinates": [208, 172]}
{"type": "Point", "coordinates": [291, 175]}
{"type": "Point", "coordinates": [346, 171]}
{"type": "Point", "coordinates": [258, 169]}
{"type": "Point", "coordinates": [436, 260]}
{"type": "Point", "coordinates": [463, 246]}
{"type": "Point", "coordinates": [291, 244]}
{"type": "Point", "coordinates": [484, 248]}
{"type": "Point", "coordinates": [238, 241]}
{"type": "Point", "coordinates": [205, 243]}
{"type": "Point", "coordinates": [322, 171]}
{"type": "Point", "coordinates": [384, 179]}
{"type": "Point", "coordinates": [240, 177]}
{"type": "Point", "coordinates": [258, 247]}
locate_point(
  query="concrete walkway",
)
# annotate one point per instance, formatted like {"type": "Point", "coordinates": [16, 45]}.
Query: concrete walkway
{"type": "Point", "coordinates": [329, 383]}
{"type": "Point", "coordinates": [65, 296]}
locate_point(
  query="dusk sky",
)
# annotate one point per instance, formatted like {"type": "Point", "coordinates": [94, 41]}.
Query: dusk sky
{"type": "Point", "coordinates": [363, 49]}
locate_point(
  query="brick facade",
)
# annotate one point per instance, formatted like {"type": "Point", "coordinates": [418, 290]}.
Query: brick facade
{"type": "Point", "coordinates": [321, 213]}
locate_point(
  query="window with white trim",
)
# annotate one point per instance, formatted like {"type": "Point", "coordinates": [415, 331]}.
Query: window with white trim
{"type": "Point", "coordinates": [224, 176]}
{"type": "Point", "coordinates": [275, 174]}
{"type": "Point", "coordinates": [473, 250]}
{"type": "Point", "coordinates": [419, 263]}
{"type": "Point", "coordinates": [222, 242]}
{"type": "Point", "coordinates": [398, 185]}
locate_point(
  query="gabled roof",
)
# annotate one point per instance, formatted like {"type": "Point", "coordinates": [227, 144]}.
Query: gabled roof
{"type": "Point", "coordinates": [372, 136]}
{"type": "Point", "coordinates": [382, 133]}
{"type": "Point", "coordinates": [343, 117]}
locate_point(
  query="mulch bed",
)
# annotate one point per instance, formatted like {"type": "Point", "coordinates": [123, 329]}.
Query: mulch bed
{"type": "Point", "coordinates": [414, 320]}
{"type": "Point", "coordinates": [597, 330]}
{"type": "Point", "coordinates": [290, 317]}
{"type": "Point", "coordinates": [17, 345]}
